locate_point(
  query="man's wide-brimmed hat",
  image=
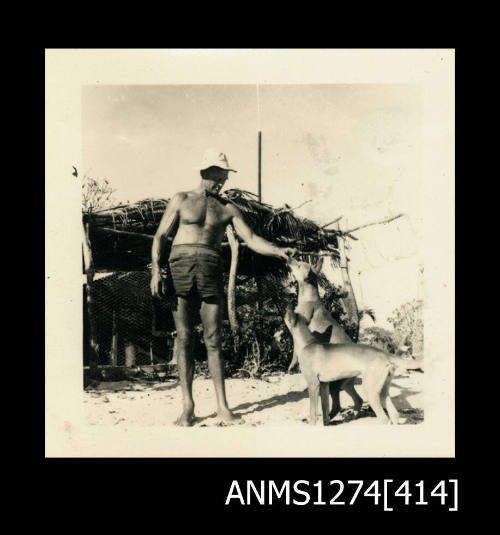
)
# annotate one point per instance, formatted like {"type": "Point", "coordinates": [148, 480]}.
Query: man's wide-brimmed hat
{"type": "Point", "coordinates": [214, 158]}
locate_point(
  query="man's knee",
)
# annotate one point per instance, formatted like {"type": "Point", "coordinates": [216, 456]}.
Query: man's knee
{"type": "Point", "coordinates": [212, 339]}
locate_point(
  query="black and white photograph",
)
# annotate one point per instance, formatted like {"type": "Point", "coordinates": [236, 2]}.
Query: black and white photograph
{"type": "Point", "coordinates": [249, 253]}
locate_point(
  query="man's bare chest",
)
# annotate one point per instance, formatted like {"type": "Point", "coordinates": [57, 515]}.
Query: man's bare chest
{"type": "Point", "coordinates": [203, 211]}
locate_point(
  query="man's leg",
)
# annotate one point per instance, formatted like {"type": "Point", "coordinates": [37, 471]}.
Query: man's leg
{"type": "Point", "coordinates": [185, 361]}
{"type": "Point", "coordinates": [211, 317]}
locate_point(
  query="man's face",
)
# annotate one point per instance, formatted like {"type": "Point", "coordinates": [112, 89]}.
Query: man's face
{"type": "Point", "coordinates": [214, 178]}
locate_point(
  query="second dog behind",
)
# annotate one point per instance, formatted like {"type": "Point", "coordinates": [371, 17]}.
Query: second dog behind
{"type": "Point", "coordinates": [322, 324]}
{"type": "Point", "coordinates": [322, 363]}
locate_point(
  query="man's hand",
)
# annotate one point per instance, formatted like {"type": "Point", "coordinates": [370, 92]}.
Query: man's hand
{"type": "Point", "coordinates": [157, 285]}
{"type": "Point", "coordinates": [287, 252]}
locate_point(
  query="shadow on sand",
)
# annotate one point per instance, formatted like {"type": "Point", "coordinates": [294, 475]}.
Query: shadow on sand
{"type": "Point", "coordinates": [269, 403]}
{"type": "Point", "coordinates": [414, 415]}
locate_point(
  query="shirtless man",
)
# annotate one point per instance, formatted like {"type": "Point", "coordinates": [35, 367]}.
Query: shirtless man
{"type": "Point", "coordinates": [197, 272]}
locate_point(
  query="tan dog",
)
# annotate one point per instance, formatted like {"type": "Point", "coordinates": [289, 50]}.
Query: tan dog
{"type": "Point", "coordinates": [323, 326]}
{"type": "Point", "coordinates": [323, 363]}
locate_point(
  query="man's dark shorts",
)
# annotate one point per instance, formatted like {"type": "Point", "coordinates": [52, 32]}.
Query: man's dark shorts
{"type": "Point", "coordinates": [196, 269]}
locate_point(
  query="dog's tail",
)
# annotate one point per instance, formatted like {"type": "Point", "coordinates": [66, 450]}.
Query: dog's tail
{"type": "Point", "coordinates": [403, 365]}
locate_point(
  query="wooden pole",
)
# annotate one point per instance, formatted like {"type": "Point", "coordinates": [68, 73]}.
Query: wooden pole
{"type": "Point", "coordinates": [260, 166]}
{"type": "Point", "coordinates": [89, 271]}
{"type": "Point", "coordinates": [151, 354]}
{"type": "Point", "coordinates": [113, 354]}
{"type": "Point", "coordinates": [350, 301]}
{"type": "Point", "coordinates": [130, 354]}
{"type": "Point", "coordinates": [231, 287]}
{"type": "Point", "coordinates": [173, 362]}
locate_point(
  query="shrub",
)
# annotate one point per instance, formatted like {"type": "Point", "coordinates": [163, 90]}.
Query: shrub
{"type": "Point", "coordinates": [409, 328]}
{"type": "Point", "coordinates": [378, 337]}
{"type": "Point", "coordinates": [96, 194]}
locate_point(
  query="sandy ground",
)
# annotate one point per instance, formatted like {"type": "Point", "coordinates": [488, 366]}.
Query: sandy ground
{"type": "Point", "coordinates": [278, 399]}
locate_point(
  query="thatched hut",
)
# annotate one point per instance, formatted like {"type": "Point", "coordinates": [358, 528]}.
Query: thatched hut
{"type": "Point", "coordinates": [121, 237]}
{"type": "Point", "coordinates": [120, 240]}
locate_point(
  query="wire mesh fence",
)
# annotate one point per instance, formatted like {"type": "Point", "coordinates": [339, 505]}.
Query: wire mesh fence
{"type": "Point", "coordinates": [130, 327]}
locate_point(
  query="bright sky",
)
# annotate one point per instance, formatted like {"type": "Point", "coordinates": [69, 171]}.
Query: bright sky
{"type": "Point", "coordinates": [352, 150]}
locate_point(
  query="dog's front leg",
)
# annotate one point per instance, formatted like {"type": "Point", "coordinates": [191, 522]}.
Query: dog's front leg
{"type": "Point", "coordinates": [294, 361]}
{"type": "Point", "coordinates": [323, 390]}
{"type": "Point", "coordinates": [313, 399]}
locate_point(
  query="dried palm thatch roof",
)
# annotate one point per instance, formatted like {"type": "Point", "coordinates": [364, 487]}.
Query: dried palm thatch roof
{"type": "Point", "coordinates": [121, 236]}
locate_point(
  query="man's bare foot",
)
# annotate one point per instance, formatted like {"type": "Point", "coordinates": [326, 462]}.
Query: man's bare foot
{"type": "Point", "coordinates": [186, 419]}
{"type": "Point", "coordinates": [227, 417]}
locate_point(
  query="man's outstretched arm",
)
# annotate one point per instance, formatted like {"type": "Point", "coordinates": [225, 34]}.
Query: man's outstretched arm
{"type": "Point", "coordinates": [256, 242]}
{"type": "Point", "coordinates": [167, 224]}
